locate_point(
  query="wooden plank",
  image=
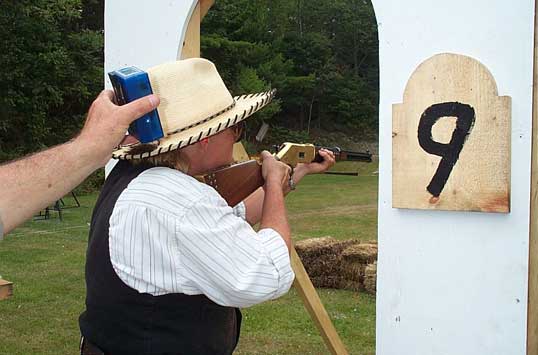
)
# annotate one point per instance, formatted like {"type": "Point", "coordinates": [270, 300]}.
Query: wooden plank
{"type": "Point", "coordinates": [532, 302]}
{"type": "Point", "coordinates": [315, 308]}
{"type": "Point", "coordinates": [6, 289]}
{"type": "Point", "coordinates": [205, 5]}
{"type": "Point", "coordinates": [239, 153]}
{"type": "Point", "coordinates": [451, 139]}
{"type": "Point", "coordinates": [191, 44]}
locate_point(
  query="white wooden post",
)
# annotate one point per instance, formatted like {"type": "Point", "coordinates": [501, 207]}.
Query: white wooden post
{"type": "Point", "coordinates": [143, 34]}
{"type": "Point", "coordinates": [457, 282]}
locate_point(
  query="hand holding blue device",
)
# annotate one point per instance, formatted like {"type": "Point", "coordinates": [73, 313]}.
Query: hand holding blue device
{"type": "Point", "coordinates": [129, 84]}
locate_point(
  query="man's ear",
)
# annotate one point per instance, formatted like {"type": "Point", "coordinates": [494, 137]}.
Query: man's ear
{"type": "Point", "coordinates": [204, 143]}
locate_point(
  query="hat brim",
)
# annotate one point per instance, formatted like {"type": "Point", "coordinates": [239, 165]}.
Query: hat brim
{"type": "Point", "coordinates": [245, 106]}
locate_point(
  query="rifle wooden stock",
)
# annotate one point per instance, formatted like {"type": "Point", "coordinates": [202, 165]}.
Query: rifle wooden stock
{"type": "Point", "coordinates": [234, 183]}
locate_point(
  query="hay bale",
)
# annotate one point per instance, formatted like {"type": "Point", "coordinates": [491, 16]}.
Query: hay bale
{"type": "Point", "coordinates": [353, 271]}
{"type": "Point", "coordinates": [322, 267]}
{"type": "Point", "coordinates": [365, 253]}
{"type": "Point", "coordinates": [351, 285]}
{"type": "Point", "coordinates": [321, 246]}
{"type": "Point", "coordinates": [370, 276]}
{"type": "Point", "coordinates": [314, 244]}
{"type": "Point", "coordinates": [338, 264]}
{"type": "Point", "coordinates": [326, 281]}
{"type": "Point", "coordinates": [321, 256]}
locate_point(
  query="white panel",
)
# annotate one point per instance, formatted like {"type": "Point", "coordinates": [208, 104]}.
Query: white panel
{"type": "Point", "coordinates": [453, 282]}
{"type": "Point", "coordinates": [143, 34]}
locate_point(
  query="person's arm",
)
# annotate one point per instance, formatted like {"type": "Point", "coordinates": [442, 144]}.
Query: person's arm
{"type": "Point", "coordinates": [33, 182]}
{"type": "Point", "coordinates": [198, 243]}
{"type": "Point", "coordinates": [221, 256]}
{"type": "Point", "coordinates": [273, 214]}
{"type": "Point", "coordinates": [254, 202]}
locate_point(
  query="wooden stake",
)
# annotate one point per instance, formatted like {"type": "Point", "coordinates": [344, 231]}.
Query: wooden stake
{"type": "Point", "coordinates": [315, 308]}
{"type": "Point", "coordinates": [6, 289]}
{"type": "Point", "coordinates": [205, 5]}
{"type": "Point", "coordinates": [191, 45]}
{"type": "Point", "coordinates": [532, 304]}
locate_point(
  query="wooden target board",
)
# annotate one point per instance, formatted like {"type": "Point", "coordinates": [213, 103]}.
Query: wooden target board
{"type": "Point", "coordinates": [451, 139]}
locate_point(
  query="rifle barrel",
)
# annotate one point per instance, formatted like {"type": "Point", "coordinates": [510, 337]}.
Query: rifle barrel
{"type": "Point", "coordinates": [356, 156]}
{"type": "Point", "coordinates": [340, 154]}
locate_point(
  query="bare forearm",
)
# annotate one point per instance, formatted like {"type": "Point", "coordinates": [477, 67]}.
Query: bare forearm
{"type": "Point", "coordinates": [254, 202]}
{"type": "Point", "coordinates": [274, 211]}
{"type": "Point", "coordinates": [254, 206]}
{"type": "Point", "coordinates": [31, 183]}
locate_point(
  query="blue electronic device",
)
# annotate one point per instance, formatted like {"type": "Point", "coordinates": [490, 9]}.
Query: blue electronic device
{"type": "Point", "coordinates": [129, 84]}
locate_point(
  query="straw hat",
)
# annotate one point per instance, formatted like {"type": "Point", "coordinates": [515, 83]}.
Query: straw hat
{"type": "Point", "coordinates": [195, 104]}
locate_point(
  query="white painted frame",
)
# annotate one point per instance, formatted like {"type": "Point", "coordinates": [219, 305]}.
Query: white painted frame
{"type": "Point", "coordinates": [139, 33]}
{"type": "Point", "coordinates": [455, 282]}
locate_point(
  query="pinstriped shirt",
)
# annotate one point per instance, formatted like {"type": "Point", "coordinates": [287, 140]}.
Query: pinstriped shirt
{"type": "Point", "coordinates": [169, 233]}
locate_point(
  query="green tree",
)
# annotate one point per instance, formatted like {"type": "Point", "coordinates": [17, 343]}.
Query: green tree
{"type": "Point", "coordinates": [51, 70]}
{"type": "Point", "coordinates": [321, 56]}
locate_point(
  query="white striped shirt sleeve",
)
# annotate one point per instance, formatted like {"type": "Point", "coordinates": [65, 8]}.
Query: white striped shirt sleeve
{"type": "Point", "coordinates": [143, 249]}
{"type": "Point", "coordinates": [227, 260]}
{"type": "Point", "coordinates": [240, 210]}
{"type": "Point", "coordinates": [171, 234]}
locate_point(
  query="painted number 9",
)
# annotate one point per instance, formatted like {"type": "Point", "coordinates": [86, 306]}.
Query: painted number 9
{"type": "Point", "coordinates": [449, 152]}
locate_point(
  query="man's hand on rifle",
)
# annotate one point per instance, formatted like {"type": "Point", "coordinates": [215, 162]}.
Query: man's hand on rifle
{"type": "Point", "coordinates": [315, 168]}
{"type": "Point", "coordinates": [274, 171]}
{"type": "Point", "coordinates": [303, 169]}
{"type": "Point", "coordinates": [273, 209]}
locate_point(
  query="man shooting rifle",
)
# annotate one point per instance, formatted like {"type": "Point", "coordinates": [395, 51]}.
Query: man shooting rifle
{"type": "Point", "coordinates": [169, 262]}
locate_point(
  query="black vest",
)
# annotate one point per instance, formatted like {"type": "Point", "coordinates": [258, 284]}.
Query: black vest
{"type": "Point", "coordinates": [120, 320]}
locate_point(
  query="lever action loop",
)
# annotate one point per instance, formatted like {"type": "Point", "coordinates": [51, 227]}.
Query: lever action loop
{"type": "Point", "coordinates": [291, 183]}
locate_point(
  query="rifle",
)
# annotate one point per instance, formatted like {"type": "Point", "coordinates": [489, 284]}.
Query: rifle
{"type": "Point", "coordinates": [235, 182]}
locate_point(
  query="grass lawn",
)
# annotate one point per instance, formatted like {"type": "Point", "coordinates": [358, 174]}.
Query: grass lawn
{"type": "Point", "coordinates": [45, 261]}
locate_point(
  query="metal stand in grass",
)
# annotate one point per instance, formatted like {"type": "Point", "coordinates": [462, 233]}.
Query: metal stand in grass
{"type": "Point", "coordinates": [307, 292]}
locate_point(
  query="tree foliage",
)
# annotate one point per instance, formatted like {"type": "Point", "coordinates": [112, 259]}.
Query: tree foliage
{"type": "Point", "coordinates": [51, 70]}
{"type": "Point", "coordinates": [321, 55]}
